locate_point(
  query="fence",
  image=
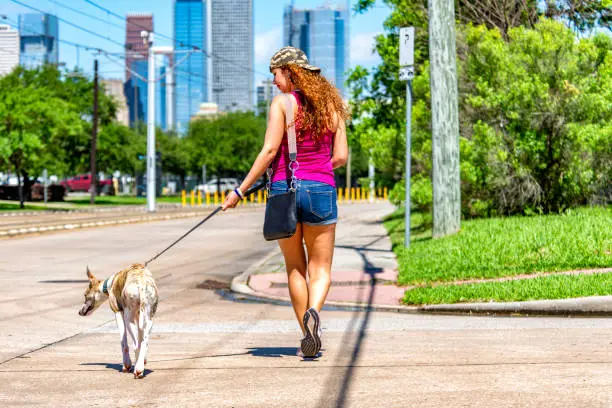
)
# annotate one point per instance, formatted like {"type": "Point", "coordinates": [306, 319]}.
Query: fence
{"type": "Point", "coordinates": [345, 196]}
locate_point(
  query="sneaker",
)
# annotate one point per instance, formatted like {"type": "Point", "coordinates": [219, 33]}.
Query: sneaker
{"type": "Point", "coordinates": [311, 343]}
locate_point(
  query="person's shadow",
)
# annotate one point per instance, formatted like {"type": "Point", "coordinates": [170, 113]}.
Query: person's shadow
{"type": "Point", "coordinates": [272, 351]}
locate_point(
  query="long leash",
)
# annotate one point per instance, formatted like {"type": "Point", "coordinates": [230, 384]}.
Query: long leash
{"type": "Point", "coordinates": [209, 216]}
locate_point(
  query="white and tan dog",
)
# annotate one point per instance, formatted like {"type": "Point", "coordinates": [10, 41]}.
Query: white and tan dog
{"type": "Point", "coordinates": [132, 295]}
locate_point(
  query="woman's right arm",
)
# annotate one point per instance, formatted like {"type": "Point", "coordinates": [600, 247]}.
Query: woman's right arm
{"type": "Point", "coordinates": [340, 152]}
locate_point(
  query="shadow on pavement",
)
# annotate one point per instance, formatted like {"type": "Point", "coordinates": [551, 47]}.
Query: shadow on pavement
{"type": "Point", "coordinates": [273, 351]}
{"type": "Point", "coordinates": [339, 383]}
{"type": "Point", "coordinates": [116, 367]}
{"type": "Point", "coordinates": [198, 357]}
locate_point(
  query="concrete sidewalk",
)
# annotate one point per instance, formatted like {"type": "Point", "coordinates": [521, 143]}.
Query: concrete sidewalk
{"type": "Point", "coordinates": [364, 276]}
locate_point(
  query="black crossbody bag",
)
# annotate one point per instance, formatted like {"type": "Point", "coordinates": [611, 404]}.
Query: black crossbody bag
{"type": "Point", "coordinates": [281, 211]}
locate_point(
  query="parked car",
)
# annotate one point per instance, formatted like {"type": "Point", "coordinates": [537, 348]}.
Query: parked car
{"type": "Point", "coordinates": [227, 184]}
{"type": "Point", "coordinates": [82, 182]}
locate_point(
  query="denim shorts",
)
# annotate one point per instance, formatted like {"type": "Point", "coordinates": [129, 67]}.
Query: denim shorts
{"type": "Point", "coordinates": [316, 201]}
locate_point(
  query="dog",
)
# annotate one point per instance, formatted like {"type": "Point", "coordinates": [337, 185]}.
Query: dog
{"type": "Point", "coordinates": [133, 297]}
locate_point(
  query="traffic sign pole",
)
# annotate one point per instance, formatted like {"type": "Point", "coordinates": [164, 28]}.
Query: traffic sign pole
{"type": "Point", "coordinates": [406, 73]}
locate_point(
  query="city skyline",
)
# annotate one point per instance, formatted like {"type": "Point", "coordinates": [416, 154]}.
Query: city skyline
{"type": "Point", "coordinates": [267, 27]}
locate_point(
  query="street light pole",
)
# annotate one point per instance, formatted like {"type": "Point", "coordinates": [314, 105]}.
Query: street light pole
{"type": "Point", "coordinates": [151, 190]}
{"type": "Point", "coordinates": [94, 139]}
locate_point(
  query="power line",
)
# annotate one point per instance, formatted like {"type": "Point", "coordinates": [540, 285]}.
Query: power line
{"type": "Point", "coordinates": [209, 54]}
{"type": "Point", "coordinates": [85, 14]}
{"type": "Point", "coordinates": [69, 23]}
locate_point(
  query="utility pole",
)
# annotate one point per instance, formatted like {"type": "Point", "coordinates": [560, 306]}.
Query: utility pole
{"type": "Point", "coordinates": [151, 181]}
{"type": "Point", "coordinates": [94, 138]}
{"type": "Point", "coordinates": [444, 118]}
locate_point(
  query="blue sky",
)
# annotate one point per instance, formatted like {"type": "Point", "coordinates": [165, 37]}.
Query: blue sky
{"type": "Point", "coordinates": [268, 16]}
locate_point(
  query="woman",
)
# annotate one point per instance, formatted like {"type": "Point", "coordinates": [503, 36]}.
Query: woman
{"type": "Point", "coordinates": [321, 147]}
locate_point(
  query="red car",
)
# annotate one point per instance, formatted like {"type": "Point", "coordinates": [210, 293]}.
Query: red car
{"type": "Point", "coordinates": [82, 182]}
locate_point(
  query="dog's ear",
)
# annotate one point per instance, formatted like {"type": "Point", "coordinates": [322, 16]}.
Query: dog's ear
{"type": "Point", "coordinates": [89, 274]}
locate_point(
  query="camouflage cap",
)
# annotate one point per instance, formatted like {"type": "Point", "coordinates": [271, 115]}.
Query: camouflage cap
{"type": "Point", "coordinates": [291, 55]}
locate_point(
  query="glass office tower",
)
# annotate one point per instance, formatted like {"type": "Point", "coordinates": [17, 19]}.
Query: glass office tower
{"type": "Point", "coordinates": [323, 34]}
{"type": "Point", "coordinates": [190, 30]}
{"type": "Point", "coordinates": [39, 35]}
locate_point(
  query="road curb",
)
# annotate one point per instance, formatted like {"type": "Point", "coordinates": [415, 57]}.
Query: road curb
{"type": "Point", "coordinates": [596, 306]}
{"type": "Point", "coordinates": [94, 224]}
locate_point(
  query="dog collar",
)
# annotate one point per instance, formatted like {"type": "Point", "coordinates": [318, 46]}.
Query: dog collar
{"type": "Point", "coordinates": [106, 284]}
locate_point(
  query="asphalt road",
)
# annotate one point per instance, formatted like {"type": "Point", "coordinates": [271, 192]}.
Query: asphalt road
{"type": "Point", "coordinates": [211, 351]}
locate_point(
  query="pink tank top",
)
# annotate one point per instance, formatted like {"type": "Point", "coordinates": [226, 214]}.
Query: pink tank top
{"type": "Point", "coordinates": [314, 157]}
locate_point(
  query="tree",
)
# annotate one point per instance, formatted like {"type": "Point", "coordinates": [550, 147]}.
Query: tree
{"type": "Point", "coordinates": [175, 154]}
{"type": "Point", "coordinates": [118, 148]}
{"type": "Point", "coordinates": [33, 121]}
{"type": "Point", "coordinates": [540, 106]}
{"type": "Point", "coordinates": [227, 144]}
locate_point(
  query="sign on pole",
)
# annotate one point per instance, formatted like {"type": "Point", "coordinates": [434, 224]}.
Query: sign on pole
{"type": "Point", "coordinates": [406, 73]}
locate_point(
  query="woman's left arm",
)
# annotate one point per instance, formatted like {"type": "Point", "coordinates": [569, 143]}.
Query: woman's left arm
{"type": "Point", "coordinates": [274, 136]}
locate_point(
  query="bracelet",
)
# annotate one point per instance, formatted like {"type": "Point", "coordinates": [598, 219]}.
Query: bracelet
{"type": "Point", "coordinates": [239, 193]}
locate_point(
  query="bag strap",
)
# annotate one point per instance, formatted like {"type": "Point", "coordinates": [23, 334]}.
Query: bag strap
{"type": "Point", "coordinates": [291, 138]}
{"type": "Point", "coordinates": [292, 144]}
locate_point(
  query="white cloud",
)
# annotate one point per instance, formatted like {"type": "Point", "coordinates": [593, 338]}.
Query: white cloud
{"type": "Point", "coordinates": [362, 46]}
{"type": "Point", "coordinates": [266, 44]}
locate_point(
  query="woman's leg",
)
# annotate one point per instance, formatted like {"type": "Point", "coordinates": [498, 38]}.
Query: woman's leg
{"type": "Point", "coordinates": [320, 245]}
{"type": "Point", "coordinates": [295, 261]}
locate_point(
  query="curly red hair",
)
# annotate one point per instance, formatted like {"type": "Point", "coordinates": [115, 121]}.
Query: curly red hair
{"type": "Point", "coordinates": [321, 103]}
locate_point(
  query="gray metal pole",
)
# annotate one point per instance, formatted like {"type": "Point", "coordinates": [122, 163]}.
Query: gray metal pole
{"type": "Point", "coordinates": [371, 173]}
{"type": "Point", "coordinates": [151, 129]}
{"type": "Point", "coordinates": [408, 161]}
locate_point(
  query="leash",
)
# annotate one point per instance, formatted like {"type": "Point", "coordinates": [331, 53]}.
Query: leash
{"type": "Point", "coordinates": [209, 216]}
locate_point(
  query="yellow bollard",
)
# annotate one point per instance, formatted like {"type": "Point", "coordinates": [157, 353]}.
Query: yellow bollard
{"type": "Point", "coordinates": [251, 197]}
{"type": "Point", "coordinates": [359, 192]}
{"type": "Point", "coordinates": [352, 194]}
{"type": "Point", "coordinates": [183, 198]}
{"type": "Point", "coordinates": [265, 198]}
{"type": "Point", "coordinates": [192, 198]}
{"type": "Point", "coordinates": [340, 194]}
{"type": "Point", "coordinates": [379, 192]}
{"type": "Point", "coordinates": [199, 198]}
{"type": "Point", "coordinates": [385, 193]}
{"type": "Point", "coordinates": [222, 197]}
{"type": "Point", "coordinates": [259, 197]}
{"type": "Point", "coordinates": [216, 198]}
{"type": "Point", "coordinates": [346, 194]}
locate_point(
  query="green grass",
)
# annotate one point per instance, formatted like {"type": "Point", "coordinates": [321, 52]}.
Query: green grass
{"type": "Point", "coordinates": [498, 247]}
{"type": "Point", "coordinates": [27, 207]}
{"type": "Point", "coordinates": [120, 200]}
{"type": "Point", "coordinates": [543, 287]}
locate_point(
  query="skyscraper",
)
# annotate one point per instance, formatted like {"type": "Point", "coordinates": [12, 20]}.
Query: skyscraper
{"type": "Point", "coordinates": [9, 49]}
{"type": "Point", "coordinates": [191, 84]}
{"type": "Point", "coordinates": [233, 54]}
{"type": "Point", "coordinates": [114, 88]}
{"type": "Point", "coordinates": [136, 60]}
{"type": "Point", "coordinates": [135, 48]}
{"type": "Point", "coordinates": [38, 36]}
{"type": "Point", "coordinates": [266, 91]}
{"type": "Point", "coordinates": [323, 34]}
